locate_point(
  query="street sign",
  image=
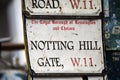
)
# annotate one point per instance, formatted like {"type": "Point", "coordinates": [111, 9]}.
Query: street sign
{"type": "Point", "coordinates": [64, 46]}
{"type": "Point", "coordinates": [64, 7]}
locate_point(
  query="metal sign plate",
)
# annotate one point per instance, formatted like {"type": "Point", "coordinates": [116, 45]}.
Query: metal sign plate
{"type": "Point", "coordinates": [66, 7]}
{"type": "Point", "coordinates": [65, 46]}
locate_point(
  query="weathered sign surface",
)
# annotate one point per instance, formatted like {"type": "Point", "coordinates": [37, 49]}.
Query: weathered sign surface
{"type": "Point", "coordinates": [65, 46]}
{"type": "Point", "coordinates": [64, 7]}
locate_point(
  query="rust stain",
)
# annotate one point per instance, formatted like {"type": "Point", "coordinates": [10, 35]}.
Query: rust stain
{"type": "Point", "coordinates": [48, 70]}
{"type": "Point", "coordinates": [97, 11]}
{"type": "Point", "coordinates": [99, 48]}
{"type": "Point", "coordinates": [47, 12]}
{"type": "Point", "coordinates": [29, 10]}
{"type": "Point", "coordinates": [75, 34]}
{"type": "Point", "coordinates": [61, 11]}
{"type": "Point", "coordinates": [51, 37]}
{"type": "Point", "coordinates": [30, 31]}
{"type": "Point", "coordinates": [65, 3]}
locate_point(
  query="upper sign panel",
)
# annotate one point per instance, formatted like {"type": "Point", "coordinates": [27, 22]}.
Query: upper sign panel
{"type": "Point", "coordinates": [64, 7]}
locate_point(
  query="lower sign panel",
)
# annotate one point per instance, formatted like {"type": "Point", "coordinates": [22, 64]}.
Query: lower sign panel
{"type": "Point", "coordinates": [65, 46]}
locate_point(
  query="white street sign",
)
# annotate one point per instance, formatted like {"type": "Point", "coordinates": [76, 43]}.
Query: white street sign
{"type": "Point", "coordinates": [64, 7]}
{"type": "Point", "coordinates": [65, 46]}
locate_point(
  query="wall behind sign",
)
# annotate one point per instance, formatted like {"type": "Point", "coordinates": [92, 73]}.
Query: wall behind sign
{"type": "Point", "coordinates": [112, 25]}
{"type": "Point", "coordinates": [16, 29]}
